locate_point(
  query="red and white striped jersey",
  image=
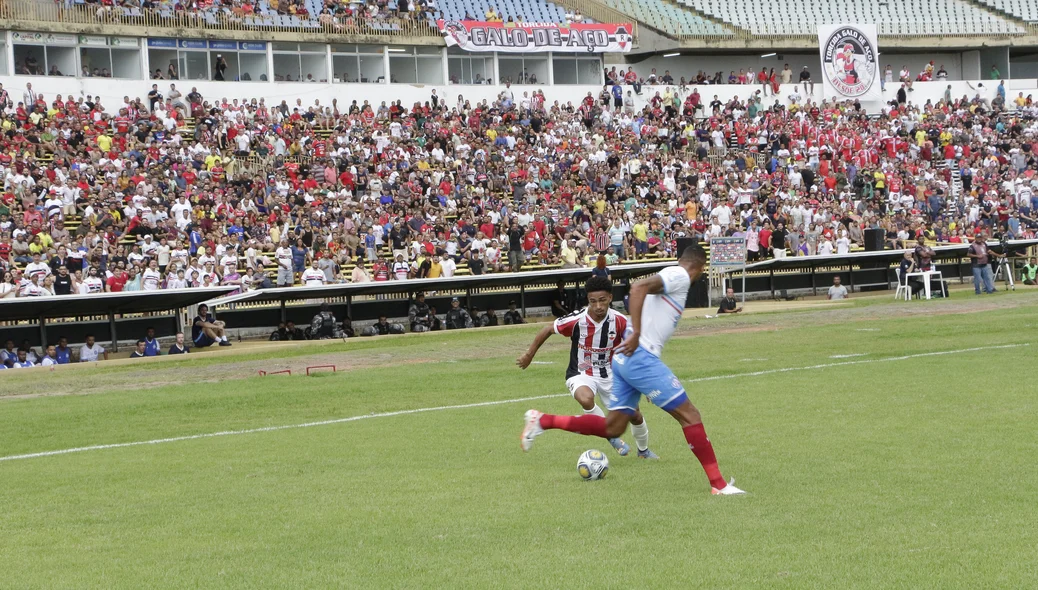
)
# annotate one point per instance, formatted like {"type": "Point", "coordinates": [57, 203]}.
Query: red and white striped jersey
{"type": "Point", "coordinates": [592, 344]}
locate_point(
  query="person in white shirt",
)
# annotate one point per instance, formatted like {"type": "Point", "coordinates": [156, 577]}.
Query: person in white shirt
{"type": "Point", "coordinates": [91, 351]}
{"type": "Point", "coordinates": [843, 243]}
{"type": "Point", "coordinates": [313, 276]}
{"type": "Point", "coordinates": [177, 282]}
{"type": "Point", "coordinates": [50, 357]}
{"type": "Point", "coordinates": [400, 268]}
{"type": "Point", "coordinates": [657, 304]}
{"type": "Point", "coordinates": [92, 283]}
{"type": "Point", "coordinates": [723, 213]}
{"type": "Point", "coordinates": [36, 268]}
{"type": "Point", "coordinates": [837, 291]}
{"type": "Point", "coordinates": [283, 256]}
{"type": "Point", "coordinates": [229, 262]}
{"type": "Point", "coordinates": [162, 253]}
{"type": "Point", "coordinates": [151, 277]}
{"type": "Point", "coordinates": [448, 267]}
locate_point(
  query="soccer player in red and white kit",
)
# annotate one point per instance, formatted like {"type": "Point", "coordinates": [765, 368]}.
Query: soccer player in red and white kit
{"type": "Point", "coordinates": [656, 304]}
{"type": "Point", "coordinates": [595, 332]}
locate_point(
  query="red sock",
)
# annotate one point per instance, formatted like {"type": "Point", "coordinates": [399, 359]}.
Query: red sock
{"type": "Point", "coordinates": [588, 424]}
{"type": "Point", "coordinates": [695, 434]}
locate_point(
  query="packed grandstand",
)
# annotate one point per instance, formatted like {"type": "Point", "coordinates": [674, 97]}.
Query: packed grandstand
{"type": "Point", "coordinates": [171, 188]}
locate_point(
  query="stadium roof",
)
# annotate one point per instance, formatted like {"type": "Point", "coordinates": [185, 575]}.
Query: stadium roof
{"type": "Point", "coordinates": [517, 280]}
{"type": "Point", "coordinates": [863, 257]}
{"type": "Point", "coordinates": [65, 306]}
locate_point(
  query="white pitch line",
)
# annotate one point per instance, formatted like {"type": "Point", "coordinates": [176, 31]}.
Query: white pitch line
{"type": "Point", "coordinates": [847, 356]}
{"type": "Point", "coordinates": [861, 362]}
{"type": "Point", "coordinates": [275, 428]}
{"type": "Point", "coordinates": [477, 405]}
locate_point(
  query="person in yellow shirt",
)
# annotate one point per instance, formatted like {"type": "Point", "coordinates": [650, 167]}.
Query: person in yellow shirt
{"type": "Point", "coordinates": [600, 205]}
{"type": "Point", "coordinates": [945, 137]}
{"type": "Point", "coordinates": [691, 210]}
{"type": "Point", "coordinates": [881, 182]}
{"type": "Point", "coordinates": [212, 160]}
{"type": "Point", "coordinates": [920, 137]}
{"type": "Point", "coordinates": [641, 239]}
{"type": "Point", "coordinates": [104, 143]}
{"type": "Point", "coordinates": [435, 268]}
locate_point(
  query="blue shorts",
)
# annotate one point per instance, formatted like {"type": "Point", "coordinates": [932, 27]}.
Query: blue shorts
{"type": "Point", "coordinates": [203, 341]}
{"type": "Point", "coordinates": [643, 374]}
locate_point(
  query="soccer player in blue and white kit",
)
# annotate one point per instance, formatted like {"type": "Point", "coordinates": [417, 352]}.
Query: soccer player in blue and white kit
{"type": "Point", "coordinates": [656, 305]}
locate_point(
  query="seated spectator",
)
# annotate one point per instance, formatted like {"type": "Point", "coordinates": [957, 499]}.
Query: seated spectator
{"type": "Point", "coordinates": [419, 314]}
{"type": "Point", "coordinates": [62, 351]}
{"type": "Point", "coordinates": [457, 317]}
{"type": "Point", "coordinates": [139, 352]}
{"type": "Point", "coordinates": [91, 351]}
{"type": "Point", "coordinates": [513, 316]}
{"type": "Point", "coordinates": [729, 303]}
{"type": "Point", "coordinates": [288, 331]}
{"type": "Point", "coordinates": [382, 328]}
{"type": "Point", "coordinates": [22, 362]}
{"type": "Point", "coordinates": [206, 330]}
{"type": "Point", "coordinates": [50, 357]}
{"type": "Point", "coordinates": [9, 354]}
{"type": "Point", "coordinates": [151, 344]}
{"type": "Point", "coordinates": [908, 265]}
{"type": "Point", "coordinates": [179, 347]}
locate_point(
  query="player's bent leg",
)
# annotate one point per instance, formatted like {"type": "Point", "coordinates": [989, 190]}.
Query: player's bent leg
{"type": "Point", "coordinates": [583, 388]}
{"type": "Point", "coordinates": [585, 396]}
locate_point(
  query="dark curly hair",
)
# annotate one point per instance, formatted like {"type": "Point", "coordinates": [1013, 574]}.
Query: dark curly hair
{"type": "Point", "coordinates": [598, 284]}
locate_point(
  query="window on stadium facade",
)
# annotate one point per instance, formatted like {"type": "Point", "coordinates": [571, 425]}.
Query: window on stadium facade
{"type": "Point", "coordinates": [358, 64]}
{"type": "Point", "coordinates": [575, 68]}
{"type": "Point", "coordinates": [465, 67]}
{"type": "Point", "coordinates": [300, 62]}
{"type": "Point", "coordinates": [416, 65]}
{"type": "Point", "coordinates": [528, 69]}
{"type": "Point", "coordinates": [40, 54]}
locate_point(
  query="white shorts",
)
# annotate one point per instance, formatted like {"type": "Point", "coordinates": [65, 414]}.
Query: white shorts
{"type": "Point", "coordinates": [599, 385]}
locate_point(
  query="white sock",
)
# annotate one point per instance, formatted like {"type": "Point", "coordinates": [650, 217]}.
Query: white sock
{"type": "Point", "coordinates": [596, 411]}
{"type": "Point", "coordinates": [641, 435]}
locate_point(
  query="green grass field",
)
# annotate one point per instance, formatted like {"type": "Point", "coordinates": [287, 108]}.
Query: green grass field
{"type": "Point", "coordinates": [867, 470]}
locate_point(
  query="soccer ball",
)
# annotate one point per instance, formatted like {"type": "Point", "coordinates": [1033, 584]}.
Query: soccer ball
{"type": "Point", "coordinates": [592, 465]}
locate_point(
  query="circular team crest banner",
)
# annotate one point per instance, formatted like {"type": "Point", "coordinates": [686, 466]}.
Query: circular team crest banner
{"type": "Point", "coordinates": [850, 61]}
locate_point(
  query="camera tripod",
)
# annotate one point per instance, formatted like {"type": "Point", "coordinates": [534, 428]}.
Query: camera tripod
{"type": "Point", "coordinates": [1005, 270]}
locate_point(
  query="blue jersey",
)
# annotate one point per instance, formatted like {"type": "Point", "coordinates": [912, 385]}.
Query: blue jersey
{"type": "Point", "coordinates": [151, 347]}
{"type": "Point", "coordinates": [618, 91]}
{"type": "Point", "coordinates": [64, 355]}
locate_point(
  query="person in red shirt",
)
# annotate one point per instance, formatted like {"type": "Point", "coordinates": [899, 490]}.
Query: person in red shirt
{"type": "Point", "coordinates": [380, 270]}
{"type": "Point", "coordinates": [117, 281]}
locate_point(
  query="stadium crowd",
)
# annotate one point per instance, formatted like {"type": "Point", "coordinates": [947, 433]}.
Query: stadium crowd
{"type": "Point", "coordinates": [175, 190]}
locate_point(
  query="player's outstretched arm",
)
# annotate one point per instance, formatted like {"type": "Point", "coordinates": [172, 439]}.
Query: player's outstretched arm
{"type": "Point", "coordinates": [527, 357]}
{"type": "Point", "coordinates": [639, 290]}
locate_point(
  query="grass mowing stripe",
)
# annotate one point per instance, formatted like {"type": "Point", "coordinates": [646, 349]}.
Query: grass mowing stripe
{"type": "Point", "coordinates": [275, 428]}
{"type": "Point", "coordinates": [861, 362]}
{"type": "Point", "coordinates": [481, 404]}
